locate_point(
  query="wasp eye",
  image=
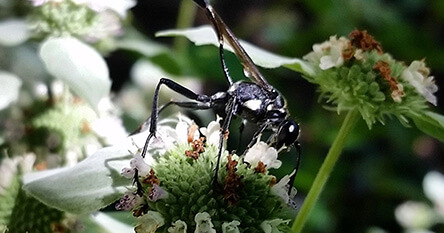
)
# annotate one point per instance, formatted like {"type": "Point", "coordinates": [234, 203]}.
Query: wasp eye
{"type": "Point", "coordinates": [287, 134]}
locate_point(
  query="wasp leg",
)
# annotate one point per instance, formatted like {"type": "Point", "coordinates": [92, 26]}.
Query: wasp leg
{"type": "Point", "coordinates": [226, 124]}
{"type": "Point", "coordinates": [255, 137]}
{"type": "Point", "coordinates": [155, 111]}
{"type": "Point", "coordinates": [296, 166]}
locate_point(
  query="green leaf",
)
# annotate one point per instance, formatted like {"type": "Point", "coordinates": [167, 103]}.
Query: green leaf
{"type": "Point", "coordinates": [205, 35]}
{"type": "Point", "coordinates": [88, 186]}
{"type": "Point", "coordinates": [430, 123]}
{"type": "Point", "coordinates": [78, 65]}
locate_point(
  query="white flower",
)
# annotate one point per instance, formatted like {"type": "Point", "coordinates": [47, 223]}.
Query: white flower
{"type": "Point", "coordinates": [13, 32]}
{"type": "Point", "coordinates": [157, 193]}
{"type": "Point", "coordinates": [203, 223]}
{"type": "Point", "coordinates": [414, 215]}
{"type": "Point", "coordinates": [118, 6]}
{"type": "Point", "coordinates": [149, 222]}
{"type": "Point", "coordinates": [230, 227]}
{"type": "Point", "coordinates": [106, 25]}
{"type": "Point", "coordinates": [143, 165]}
{"type": "Point", "coordinates": [417, 74]}
{"type": "Point", "coordinates": [212, 132]}
{"type": "Point", "coordinates": [129, 201]}
{"type": "Point", "coordinates": [433, 186]}
{"type": "Point", "coordinates": [8, 169]}
{"type": "Point", "coordinates": [329, 53]}
{"type": "Point", "coordinates": [271, 226]}
{"type": "Point", "coordinates": [281, 189]}
{"type": "Point", "coordinates": [264, 153]}
{"type": "Point", "coordinates": [178, 226]}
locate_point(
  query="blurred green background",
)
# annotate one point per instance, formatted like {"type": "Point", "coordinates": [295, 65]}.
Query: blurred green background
{"type": "Point", "coordinates": [380, 168]}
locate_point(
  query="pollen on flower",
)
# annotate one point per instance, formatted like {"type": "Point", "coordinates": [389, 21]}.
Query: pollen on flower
{"type": "Point", "coordinates": [260, 168]}
{"type": "Point", "coordinates": [191, 132]}
{"type": "Point", "coordinates": [151, 179]}
{"type": "Point", "coordinates": [197, 148]}
{"type": "Point", "coordinates": [364, 41]}
{"type": "Point", "coordinates": [232, 182]}
{"type": "Point", "coordinates": [396, 88]}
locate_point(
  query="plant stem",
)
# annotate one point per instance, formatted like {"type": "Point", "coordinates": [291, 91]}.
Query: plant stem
{"type": "Point", "coordinates": [185, 19]}
{"type": "Point", "coordinates": [325, 170]}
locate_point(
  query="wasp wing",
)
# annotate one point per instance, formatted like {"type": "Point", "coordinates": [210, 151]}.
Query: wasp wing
{"type": "Point", "coordinates": [221, 28]}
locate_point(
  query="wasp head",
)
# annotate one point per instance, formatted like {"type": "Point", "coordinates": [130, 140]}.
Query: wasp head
{"type": "Point", "coordinates": [286, 135]}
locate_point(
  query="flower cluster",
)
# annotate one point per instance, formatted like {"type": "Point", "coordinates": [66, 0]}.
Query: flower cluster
{"type": "Point", "coordinates": [91, 20]}
{"type": "Point", "coordinates": [177, 192]}
{"type": "Point", "coordinates": [355, 73]}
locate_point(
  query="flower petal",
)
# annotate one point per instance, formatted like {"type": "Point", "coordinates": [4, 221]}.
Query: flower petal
{"type": "Point", "coordinates": [78, 65]}
{"type": "Point", "coordinates": [9, 88]}
{"type": "Point", "coordinates": [205, 35]}
{"type": "Point", "coordinates": [90, 185]}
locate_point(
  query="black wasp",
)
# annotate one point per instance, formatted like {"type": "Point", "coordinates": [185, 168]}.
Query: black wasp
{"type": "Point", "coordinates": [257, 101]}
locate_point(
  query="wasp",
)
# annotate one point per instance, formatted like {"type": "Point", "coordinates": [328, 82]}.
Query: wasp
{"type": "Point", "coordinates": [255, 101]}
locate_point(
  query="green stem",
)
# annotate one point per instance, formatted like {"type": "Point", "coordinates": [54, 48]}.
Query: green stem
{"type": "Point", "coordinates": [325, 170]}
{"type": "Point", "coordinates": [185, 19]}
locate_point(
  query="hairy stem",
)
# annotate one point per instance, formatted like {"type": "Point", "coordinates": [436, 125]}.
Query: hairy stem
{"type": "Point", "coordinates": [325, 170]}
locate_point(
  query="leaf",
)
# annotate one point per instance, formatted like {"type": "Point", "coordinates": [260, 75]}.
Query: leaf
{"type": "Point", "coordinates": [430, 123]}
{"type": "Point", "coordinates": [110, 224]}
{"type": "Point", "coordinates": [90, 185]}
{"type": "Point", "coordinates": [9, 88]}
{"type": "Point", "coordinates": [14, 32]}
{"type": "Point", "coordinates": [141, 45]}
{"type": "Point", "coordinates": [78, 65]}
{"type": "Point", "coordinates": [205, 35]}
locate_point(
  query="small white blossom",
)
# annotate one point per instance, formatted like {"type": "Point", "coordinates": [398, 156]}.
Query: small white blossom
{"type": "Point", "coordinates": [271, 226]}
{"type": "Point", "coordinates": [212, 132]}
{"type": "Point", "coordinates": [329, 53]}
{"type": "Point", "coordinates": [118, 6]}
{"type": "Point", "coordinates": [264, 153]}
{"type": "Point", "coordinates": [417, 74]}
{"type": "Point", "coordinates": [414, 215]}
{"type": "Point", "coordinates": [149, 222]}
{"type": "Point", "coordinates": [281, 189]}
{"type": "Point", "coordinates": [203, 223]}
{"type": "Point", "coordinates": [157, 193]}
{"type": "Point", "coordinates": [129, 201]}
{"type": "Point", "coordinates": [433, 186]}
{"type": "Point", "coordinates": [231, 227]}
{"type": "Point", "coordinates": [8, 169]}
{"type": "Point", "coordinates": [178, 226]}
{"type": "Point", "coordinates": [143, 165]}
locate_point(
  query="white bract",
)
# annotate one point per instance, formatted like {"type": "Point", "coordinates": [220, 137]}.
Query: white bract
{"type": "Point", "coordinates": [417, 74]}
{"type": "Point", "coordinates": [13, 32]}
{"type": "Point", "coordinates": [79, 66]}
{"type": "Point", "coordinates": [262, 152]}
{"type": "Point", "coordinates": [9, 88]}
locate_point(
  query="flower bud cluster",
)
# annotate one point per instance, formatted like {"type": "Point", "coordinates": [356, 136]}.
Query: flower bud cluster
{"type": "Point", "coordinates": [355, 73]}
